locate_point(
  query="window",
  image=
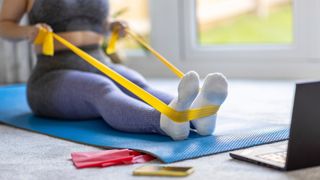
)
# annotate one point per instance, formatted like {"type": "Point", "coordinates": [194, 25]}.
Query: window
{"type": "Point", "coordinates": [295, 44]}
{"type": "Point", "coordinates": [244, 22]}
{"type": "Point", "coordinates": [280, 36]}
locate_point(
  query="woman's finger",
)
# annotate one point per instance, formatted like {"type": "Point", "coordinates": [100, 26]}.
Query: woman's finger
{"type": "Point", "coordinates": [119, 26]}
{"type": "Point", "coordinates": [122, 26]}
{"type": "Point", "coordinates": [47, 27]}
{"type": "Point", "coordinates": [34, 31]}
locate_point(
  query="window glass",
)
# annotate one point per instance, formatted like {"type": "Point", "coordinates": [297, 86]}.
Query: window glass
{"type": "Point", "coordinates": [223, 22]}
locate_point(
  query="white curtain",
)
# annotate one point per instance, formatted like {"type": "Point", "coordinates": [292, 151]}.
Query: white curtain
{"type": "Point", "coordinates": [16, 60]}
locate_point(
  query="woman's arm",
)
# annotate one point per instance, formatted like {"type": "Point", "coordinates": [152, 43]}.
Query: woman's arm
{"type": "Point", "coordinates": [10, 16]}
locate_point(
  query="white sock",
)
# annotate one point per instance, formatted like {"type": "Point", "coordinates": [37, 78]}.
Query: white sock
{"type": "Point", "coordinates": [187, 92]}
{"type": "Point", "coordinates": [213, 92]}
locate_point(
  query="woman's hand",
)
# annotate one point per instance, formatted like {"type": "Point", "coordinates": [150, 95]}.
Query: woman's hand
{"type": "Point", "coordinates": [120, 26]}
{"type": "Point", "coordinates": [33, 31]}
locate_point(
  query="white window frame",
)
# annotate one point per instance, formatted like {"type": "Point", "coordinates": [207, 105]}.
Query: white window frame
{"type": "Point", "coordinates": [226, 52]}
{"type": "Point", "coordinates": [174, 35]}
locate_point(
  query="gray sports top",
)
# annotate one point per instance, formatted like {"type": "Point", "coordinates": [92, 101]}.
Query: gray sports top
{"type": "Point", "coordinates": [70, 15]}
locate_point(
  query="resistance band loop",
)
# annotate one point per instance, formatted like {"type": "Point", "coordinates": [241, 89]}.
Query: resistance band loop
{"type": "Point", "coordinates": [46, 38]}
{"type": "Point", "coordinates": [112, 42]}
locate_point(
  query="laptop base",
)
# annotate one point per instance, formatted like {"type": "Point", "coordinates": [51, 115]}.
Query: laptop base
{"type": "Point", "coordinates": [265, 155]}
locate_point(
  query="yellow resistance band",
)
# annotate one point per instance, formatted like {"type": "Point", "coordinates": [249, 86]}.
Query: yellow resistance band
{"type": "Point", "coordinates": [45, 39]}
{"type": "Point", "coordinates": [112, 44]}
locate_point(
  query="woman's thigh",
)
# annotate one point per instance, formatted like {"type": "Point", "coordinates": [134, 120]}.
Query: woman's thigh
{"type": "Point", "coordinates": [67, 94]}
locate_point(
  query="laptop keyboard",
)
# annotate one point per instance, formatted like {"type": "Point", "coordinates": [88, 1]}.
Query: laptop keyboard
{"type": "Point", "coordinates": [279, 157]}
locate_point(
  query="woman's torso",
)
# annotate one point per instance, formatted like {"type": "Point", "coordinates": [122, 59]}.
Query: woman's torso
{"type": "Point", "coordinates": [78, 21]}
{"type": "Point", "coordinates": [70, 15]}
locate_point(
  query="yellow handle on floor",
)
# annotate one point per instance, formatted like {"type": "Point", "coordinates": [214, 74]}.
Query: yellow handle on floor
{"type": "Point", "coordinates": [46, 38]}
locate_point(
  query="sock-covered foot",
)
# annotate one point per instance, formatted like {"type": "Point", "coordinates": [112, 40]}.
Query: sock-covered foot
{"type": "Point", "coordinates": [213, 92]}
{"type": "Point", "coordinates": [187, 91]}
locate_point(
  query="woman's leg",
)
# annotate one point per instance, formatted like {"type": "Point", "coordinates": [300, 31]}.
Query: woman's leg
{"type": "Point", "coordinates": [139, 80]}
{"type": "Point", "coordinates": [74, 94]}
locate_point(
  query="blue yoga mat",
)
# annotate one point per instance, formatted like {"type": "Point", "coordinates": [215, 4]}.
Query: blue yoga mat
{"type": "Point", "coordinates": [230, 134]}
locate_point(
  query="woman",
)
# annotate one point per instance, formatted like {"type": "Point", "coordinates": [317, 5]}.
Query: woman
{"type": "Point", "coordinates": [66, 87]}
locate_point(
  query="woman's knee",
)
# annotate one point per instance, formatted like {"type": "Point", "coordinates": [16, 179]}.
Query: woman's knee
{"type": "Point", "coordinates": [131, 75]}
{"type": "Point", "coordinates": [139, 81]}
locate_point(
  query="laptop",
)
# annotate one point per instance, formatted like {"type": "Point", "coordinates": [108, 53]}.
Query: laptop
{"type": "Point", "coordinates": [302, 150]}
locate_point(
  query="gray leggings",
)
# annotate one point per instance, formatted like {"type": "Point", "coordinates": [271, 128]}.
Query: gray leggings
{"type": "Point", "coordinates": [65, 87]}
